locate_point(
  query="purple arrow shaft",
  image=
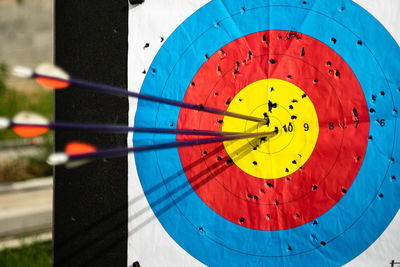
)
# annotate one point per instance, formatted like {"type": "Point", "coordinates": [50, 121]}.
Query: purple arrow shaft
{"type": "Point", "coordinates": [123, 151]}
{"type": "Point", "coordinates": [120, 92]}
{"type": "Point", "coordinates": [120, 128]}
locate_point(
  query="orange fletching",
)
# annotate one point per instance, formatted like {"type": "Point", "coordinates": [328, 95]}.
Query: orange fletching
{"type": "Point", "coordinates": [52, 83]}
{"type": "Point", "coordinates": [76, 148]}
{"type": "Point", "coordinates": [30, 131]}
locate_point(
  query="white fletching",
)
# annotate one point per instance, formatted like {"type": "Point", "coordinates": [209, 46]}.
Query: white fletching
{"type": "Point", "coordinates": [26, 117]}
{"type": "Point", "coordinates": [57, 159]}
{"type": "Point", "coordinates": [50, 70]}
{"type": "Point", "coordinates": [22, 72]}
{"type": "Point", "coordinates": [4, 123]}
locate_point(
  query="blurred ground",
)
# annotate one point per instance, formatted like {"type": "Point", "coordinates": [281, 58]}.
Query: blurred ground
{"type": "Point", "coordinates": [25, 209]}
{"type": "Point", "coordinates": [26, 38]}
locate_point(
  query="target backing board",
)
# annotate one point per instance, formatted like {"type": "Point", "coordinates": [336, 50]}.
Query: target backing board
{"type": "Point", "coordinates": [324, 191]}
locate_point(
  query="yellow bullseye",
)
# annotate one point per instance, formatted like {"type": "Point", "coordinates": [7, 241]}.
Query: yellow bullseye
{"type": "Point", "coordinates": [291, 112]}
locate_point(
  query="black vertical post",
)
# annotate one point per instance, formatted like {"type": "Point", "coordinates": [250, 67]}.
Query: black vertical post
{"type": "Point", "coordinates": [90, 202]}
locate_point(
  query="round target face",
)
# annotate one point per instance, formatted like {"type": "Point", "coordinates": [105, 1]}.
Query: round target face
{"type": "Point", "coordinates": [326, 182]}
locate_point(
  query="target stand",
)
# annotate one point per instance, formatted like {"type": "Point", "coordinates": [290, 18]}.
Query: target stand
{"type": "Point", "coordinates": [90, 203]}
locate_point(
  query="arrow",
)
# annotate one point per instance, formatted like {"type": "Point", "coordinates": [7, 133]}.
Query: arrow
{"type": "Point", "coordinates": [77, 154]}
{"type": "Point", "coordinates": [29, 124]}
{"type": "Point", "coordinates": [54, 77]}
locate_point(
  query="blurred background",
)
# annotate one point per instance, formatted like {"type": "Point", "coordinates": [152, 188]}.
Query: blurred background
{"type": "Point", "coordinates": [26, 38]}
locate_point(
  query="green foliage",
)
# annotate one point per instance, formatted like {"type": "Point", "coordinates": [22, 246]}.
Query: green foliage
{"type": "Point", "coordinates": [28, 167]}
{"type": "Point", "coordinates": [3, 77]}
{"type": "Point", "coordinates": [37, 254]}
{"type": "Point", "coordinates": [11, 102]}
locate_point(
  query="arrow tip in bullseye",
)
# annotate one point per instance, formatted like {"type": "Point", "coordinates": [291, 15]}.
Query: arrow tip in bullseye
{"type": "Point", "coordinates": [51, 76]}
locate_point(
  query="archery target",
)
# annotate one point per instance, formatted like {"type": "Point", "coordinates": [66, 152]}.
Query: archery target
{"type": "Point", "coordinates": [325, 183]}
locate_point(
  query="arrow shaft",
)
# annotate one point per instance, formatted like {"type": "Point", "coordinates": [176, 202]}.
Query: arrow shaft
{"type": "Point", "coordinates": [120, 128]}
{"type": "Point", "coordinates": [120, 92]}
{"type": "Point", "coordinates": [123, 151]}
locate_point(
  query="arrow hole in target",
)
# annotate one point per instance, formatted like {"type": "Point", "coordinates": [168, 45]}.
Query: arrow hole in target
{"type": "Point", "coordinates": [250, 54]}
{"type": "Point", "coordinates": [201, 230]}
{"type": "Point", "coordinates": [264, 39]}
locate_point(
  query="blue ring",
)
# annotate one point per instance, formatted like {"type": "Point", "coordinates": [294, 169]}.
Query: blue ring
{"type": "Point", "coordinates": [361, 214]}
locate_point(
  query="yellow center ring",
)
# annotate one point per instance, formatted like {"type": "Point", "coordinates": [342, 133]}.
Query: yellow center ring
{"type": "Point", "coordinates": [290, 111]}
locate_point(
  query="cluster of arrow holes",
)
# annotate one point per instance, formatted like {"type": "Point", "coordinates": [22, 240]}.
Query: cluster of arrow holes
{"type": "Point", "coordinates": [272, 61]}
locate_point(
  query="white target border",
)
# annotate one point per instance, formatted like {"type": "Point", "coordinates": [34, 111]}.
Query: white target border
{"type": "Point", "coordinates": [148, 242]}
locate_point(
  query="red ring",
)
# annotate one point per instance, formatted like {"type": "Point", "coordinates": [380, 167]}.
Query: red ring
{"type": "Point", "coordinates": [280, 204]}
